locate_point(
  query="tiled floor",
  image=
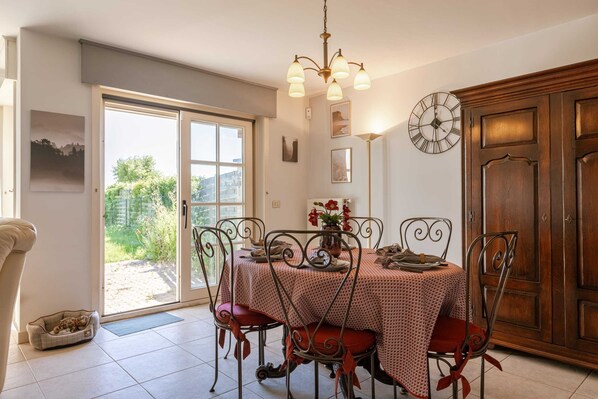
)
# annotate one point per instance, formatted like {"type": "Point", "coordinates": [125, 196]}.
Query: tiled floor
{"type": "Point", "coordinates": [177, 361]}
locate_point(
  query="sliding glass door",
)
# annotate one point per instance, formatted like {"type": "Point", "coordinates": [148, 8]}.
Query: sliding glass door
{"type": "Point", "coordinates": [216, 161]}
{"type": "Point", "coordinates": [165, 171]}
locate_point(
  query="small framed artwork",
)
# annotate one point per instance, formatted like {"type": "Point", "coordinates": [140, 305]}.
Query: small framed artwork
{"type": "Point", "coordinates": [57, 152]}
{"type": "Point", "coordinates": [290, 149]}
{"type": "Point", "coordinates": [341, 165]}
{"type": "Point", "coordinates": [340, 119]}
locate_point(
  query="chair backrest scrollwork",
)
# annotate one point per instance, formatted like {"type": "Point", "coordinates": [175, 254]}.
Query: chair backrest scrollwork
{"type": "Point", "coordinates": [367, 227]}
{"type": "Point", "coordinates": [305, 252]}
{"type": "Point", "coordinates": [434, 231]}
{"type": "Point", "coordinates": [243, 228]}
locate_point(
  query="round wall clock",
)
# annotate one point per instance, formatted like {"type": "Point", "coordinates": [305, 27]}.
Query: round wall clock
{"type": "Point", "coordinates": [435, 123]}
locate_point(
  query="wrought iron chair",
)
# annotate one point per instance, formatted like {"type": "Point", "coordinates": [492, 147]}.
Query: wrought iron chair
{"type": "Point", "coordinates": [489, 256]}
{"type": "Point", "coordinates": [211, 246]}
{"type": "Point", "coordinates": [243, 228]}
{"type": "Point", "coordinates": [436, 231]}
{"type": "Point", "coordinates": [326, 340]}
{"type": "Point", "coordinates": [367, 228]}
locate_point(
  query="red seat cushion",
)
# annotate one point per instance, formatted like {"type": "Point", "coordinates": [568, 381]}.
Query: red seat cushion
{"type": "Point", "coordinates": [242, 314]}
{"type": "Point", "coordinates": [356, 341]}
{"type": "Point", "coordinates": [449, 333]}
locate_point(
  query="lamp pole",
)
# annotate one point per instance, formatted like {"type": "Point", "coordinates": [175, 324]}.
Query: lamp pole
{"type": "Point", "coordinates": [368, 138]}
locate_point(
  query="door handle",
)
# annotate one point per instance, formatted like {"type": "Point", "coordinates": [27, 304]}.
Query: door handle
{"type": "Point", "coordinates": [185, 213]}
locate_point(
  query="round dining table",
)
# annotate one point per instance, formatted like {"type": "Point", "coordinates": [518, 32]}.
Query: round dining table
{"type": "Point", "coordinates": [400, 306]}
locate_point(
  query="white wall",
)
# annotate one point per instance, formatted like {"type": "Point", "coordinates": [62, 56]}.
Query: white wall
{"type": "Point", "coordinates": [285, 181]}
{"type": "Point", "coordinates": [58, 273]}
{"type": "Point", "coordinates": [407, 182]}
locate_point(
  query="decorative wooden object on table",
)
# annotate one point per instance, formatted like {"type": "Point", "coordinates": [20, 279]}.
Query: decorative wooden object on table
{"type": "Point", "coordinates": [530, 156]}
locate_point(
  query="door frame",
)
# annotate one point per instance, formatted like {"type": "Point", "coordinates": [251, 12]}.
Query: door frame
{"type": "Point", "coordinates": [98, 95]}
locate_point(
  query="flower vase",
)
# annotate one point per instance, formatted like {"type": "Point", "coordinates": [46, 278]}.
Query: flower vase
{"type": "Point", "coordinates": [331, 242]}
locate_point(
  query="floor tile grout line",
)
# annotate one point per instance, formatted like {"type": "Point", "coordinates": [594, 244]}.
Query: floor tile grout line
{"type": "Point", "coordinates": [584, 380]}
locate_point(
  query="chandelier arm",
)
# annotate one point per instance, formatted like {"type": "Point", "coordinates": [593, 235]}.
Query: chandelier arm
{"type": "Point", "coordinates": [307, 58]}
{"type": "Point", "coordinates": [313, 69]}
{"type": "Point", "coordinates": [359, 64]}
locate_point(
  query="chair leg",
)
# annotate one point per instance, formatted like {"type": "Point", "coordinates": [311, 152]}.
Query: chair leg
{"type": "Point", "coordinates": [455, 390]}
{"type": "Point", "coordinates": [288, 381]}
{"type": "Point", "coordinates": [316, 381]}
{"type": "Point", "coordinates": [229, 341]}
{"type": "Point", "coordinates": [216, 360]}
{"type": "Point", "coordinates": [372, 379]}
{"type": "Point", "coordinates": [350, 386]}
{"type": "Point", "coordinates": [260, 346]}
{"type": "Point", "coordinates": [482, 379]}
{"type": "Point", "coordinates": [240, 369]}
{"type": "Point", "coordinates": [394, 389]}
{"type": "Point", "coordinates": [428, 371]}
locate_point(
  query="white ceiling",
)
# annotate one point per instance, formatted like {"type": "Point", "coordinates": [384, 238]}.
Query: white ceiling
{"type": "Point", "coordinates": [257, 39]}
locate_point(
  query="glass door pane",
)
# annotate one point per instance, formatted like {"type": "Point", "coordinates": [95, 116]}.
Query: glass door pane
{"type": "Point", "coordinates": [140, 198]}
{"type": "Point", "coordinates": [216, 155]}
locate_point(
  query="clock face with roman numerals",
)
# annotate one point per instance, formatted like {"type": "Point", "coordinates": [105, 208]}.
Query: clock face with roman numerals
{"type": "Point", "coordinates": [435, 123]}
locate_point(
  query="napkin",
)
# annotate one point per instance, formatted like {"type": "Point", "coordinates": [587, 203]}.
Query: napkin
{"type": "Point", "coordinates": [405, 256]}
{"type": "Point", "coordinates": [274, 250]}
{"type": "Point", "coordinates": [389, 250]}
{"type": "Point", "coordinates": [326, 263]}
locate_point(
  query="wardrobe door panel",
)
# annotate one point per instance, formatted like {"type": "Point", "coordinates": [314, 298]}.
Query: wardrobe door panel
{"type": "Point", "coordinates": [510, 166]}
{"type": "Point", "coordinates": [580, 166]}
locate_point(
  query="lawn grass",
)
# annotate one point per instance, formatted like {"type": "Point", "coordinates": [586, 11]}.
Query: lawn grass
{"type": "Point", "coordinates": [122, 244]}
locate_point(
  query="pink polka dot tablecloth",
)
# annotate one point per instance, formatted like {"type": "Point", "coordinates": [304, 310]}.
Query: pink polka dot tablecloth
{"type": "Point", "coordinates": [400, 307]}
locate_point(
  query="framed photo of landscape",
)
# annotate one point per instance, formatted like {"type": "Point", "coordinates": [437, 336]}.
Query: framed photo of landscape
{"type": "Point", "coordinates": [57, 152]}
{"type": "Point", "coordinates": [340, 119]}
{"type": "Point", "coordinates": [341, 165]}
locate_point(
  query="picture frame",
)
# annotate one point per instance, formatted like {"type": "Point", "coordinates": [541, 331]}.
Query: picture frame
{"type": "Point", "coordinates": [340, 119]}
{"type": "Point", "coordinates": [341, 168]}
{"type": "Point", "coordinates": [57, 152]}
{"type": "Point", "coordinates": [290, 149]}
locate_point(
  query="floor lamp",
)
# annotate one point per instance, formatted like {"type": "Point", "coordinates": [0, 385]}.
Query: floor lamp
{"type": "Point", "coordinates": [368, 138]}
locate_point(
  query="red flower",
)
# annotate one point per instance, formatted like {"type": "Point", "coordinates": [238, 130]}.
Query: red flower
{"type": "Point", "coordinates": [346, 225]}
{"type": "Point", "coordinates": [313, 217]}
{"type": "Point", "coordinates": [346, 212]}
{"type": "Point", "coordinates": [331, 205]}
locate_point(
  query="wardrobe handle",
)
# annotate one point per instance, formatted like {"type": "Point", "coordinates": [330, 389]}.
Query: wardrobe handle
{"type": "Point", "coordinates": [544, 218]}
{"type": "Point", "coordinates": [569, 219]}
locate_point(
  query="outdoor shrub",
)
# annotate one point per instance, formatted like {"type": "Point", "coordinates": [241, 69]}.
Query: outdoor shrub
{"type": "Point", "coordinates": [157, 233]}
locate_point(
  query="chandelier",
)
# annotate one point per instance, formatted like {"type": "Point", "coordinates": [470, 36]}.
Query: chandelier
{"type": "Point", "coordinates": [336, 68]}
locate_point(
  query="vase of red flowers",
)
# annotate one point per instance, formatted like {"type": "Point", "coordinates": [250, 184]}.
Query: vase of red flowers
{"type": "Point", "coordinates": [332, 218]}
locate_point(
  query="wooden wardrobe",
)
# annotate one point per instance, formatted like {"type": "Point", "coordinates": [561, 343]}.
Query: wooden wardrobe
{"type": "Point", "coordinates": [530, 163]}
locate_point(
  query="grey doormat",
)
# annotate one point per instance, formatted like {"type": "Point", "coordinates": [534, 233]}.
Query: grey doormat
{"type": "Point", "coordinates": [136, 324]}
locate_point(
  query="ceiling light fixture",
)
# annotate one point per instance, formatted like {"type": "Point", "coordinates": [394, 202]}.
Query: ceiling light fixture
{"type": "Point", "coordinates": [337, 68]}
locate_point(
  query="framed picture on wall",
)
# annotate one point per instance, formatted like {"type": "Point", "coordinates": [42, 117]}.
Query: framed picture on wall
{"type": "Point", "coordinates": [341, 165]}
{"type": "Point", "coordinates": [340, 119]}
{"type": "Point", "coordinates": [57, 152]}
{"type": "Point", "coordinates": [290, 149]}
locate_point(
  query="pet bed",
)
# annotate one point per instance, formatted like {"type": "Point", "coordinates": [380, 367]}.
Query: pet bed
{"type": "Point", "coordinates": [41, 338]}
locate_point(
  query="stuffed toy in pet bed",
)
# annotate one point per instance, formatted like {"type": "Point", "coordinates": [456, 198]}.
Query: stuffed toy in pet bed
{"type": "Point", "coordinates": [63, 328]}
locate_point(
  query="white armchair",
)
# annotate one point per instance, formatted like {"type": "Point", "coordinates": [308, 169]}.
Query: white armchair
{"type": "Point", "coordinates": [17, 236]}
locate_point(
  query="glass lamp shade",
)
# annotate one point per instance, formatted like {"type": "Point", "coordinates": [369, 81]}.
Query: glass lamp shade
{"type": "Point", "coordinates": [295, 73]}
{"type": "Point", "coordinates": [362, 80]}
{"type": "Point", "coordinates": [296, 90]}
{"type": "Point", "coordinates": [335, 92]}
{"type": "Point", "coordinates": [340, 67]}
